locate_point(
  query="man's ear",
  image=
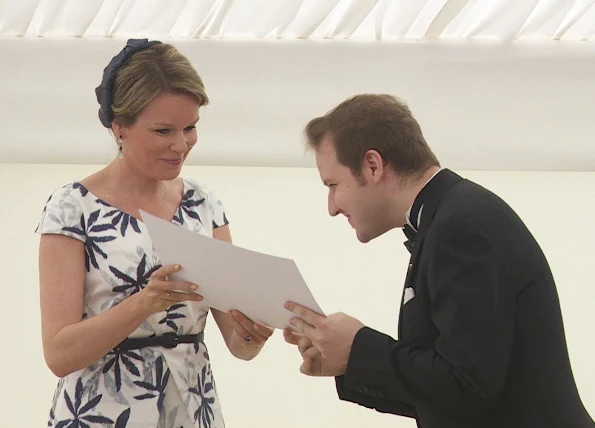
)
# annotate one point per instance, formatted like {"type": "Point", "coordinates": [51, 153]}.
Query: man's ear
{"type": "Point", "coordinates": [373, 165]}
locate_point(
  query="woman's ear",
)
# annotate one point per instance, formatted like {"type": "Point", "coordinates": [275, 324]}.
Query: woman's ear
{"type": "Point", "coordinates": [118, 130]}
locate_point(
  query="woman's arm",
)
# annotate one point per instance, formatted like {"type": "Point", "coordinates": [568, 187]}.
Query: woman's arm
{"type": "Point", "coordinates": [71, 343]}
{"type": "Point", "coordinates": [235, 328]}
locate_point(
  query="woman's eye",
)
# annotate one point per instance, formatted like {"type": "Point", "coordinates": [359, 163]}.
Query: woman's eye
{"type": "Point", "coordinates": [162, 131]}
{"type": "Point", "coordinates": [190, 128]}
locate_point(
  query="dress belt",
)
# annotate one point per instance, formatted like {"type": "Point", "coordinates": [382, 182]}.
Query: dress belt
{"type": "Point", "coordinates": [166, 340]}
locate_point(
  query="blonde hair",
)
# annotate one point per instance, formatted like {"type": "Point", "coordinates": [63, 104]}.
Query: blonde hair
{"type": "Point", "coordinates": [160, 68]}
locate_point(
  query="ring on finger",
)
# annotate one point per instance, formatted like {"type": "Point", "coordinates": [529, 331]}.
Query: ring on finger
{"type": "Point", "coordinates": [248, 338]}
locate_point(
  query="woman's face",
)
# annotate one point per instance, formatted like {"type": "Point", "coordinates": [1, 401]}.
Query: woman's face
{"type": "Point", "coordinates": [162, 136]}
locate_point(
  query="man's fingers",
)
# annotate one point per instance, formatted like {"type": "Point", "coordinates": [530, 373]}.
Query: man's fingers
{"type": "Point", "coordinates": [291, 336]}
{"type": "Point", "coordinates": [304, 313]}
{"type": "Point", "coordinates": [304, 344]}
{"type": "Point", "coordinates": [310, 352]}
{"type": "Point", "coordinates": [306, 366]}
{"type": "Point", "coordinates": [303, 327]}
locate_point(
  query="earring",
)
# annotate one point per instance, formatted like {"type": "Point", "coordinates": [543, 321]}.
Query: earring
{"type": "Point", "coordinates": [120, 152]}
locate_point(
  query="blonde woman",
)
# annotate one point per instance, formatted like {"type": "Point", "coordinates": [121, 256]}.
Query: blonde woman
{"type": "Point", "coordinates": [127, 345]}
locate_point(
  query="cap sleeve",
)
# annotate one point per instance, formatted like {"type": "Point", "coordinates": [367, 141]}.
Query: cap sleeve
{"type": "Point", "coordinates": [218, 214]}
{"type": "Point", "coordinates": [63, 214]}
{"type": "Point", "coordinates": [213, 205]}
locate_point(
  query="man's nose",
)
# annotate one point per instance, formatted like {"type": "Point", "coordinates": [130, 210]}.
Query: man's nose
{"type": "Point", "coordinates": [332, 208]}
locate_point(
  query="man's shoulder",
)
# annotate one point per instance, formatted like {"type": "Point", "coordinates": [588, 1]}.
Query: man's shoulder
{"type": "Point", "coordinates": [473, 207]}
{"type": "Point", "coordinates": [469, 199]}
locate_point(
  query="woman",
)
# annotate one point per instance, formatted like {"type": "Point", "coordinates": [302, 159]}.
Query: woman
{"type": "Point", "coordinates": [126, 342]}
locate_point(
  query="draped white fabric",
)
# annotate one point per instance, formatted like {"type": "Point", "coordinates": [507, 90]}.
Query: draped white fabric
{"type": "Point", "coordinates": [566, 20]}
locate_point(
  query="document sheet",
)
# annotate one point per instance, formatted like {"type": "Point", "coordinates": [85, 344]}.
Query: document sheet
{"type": "Point", "coordinates": [231, 277]}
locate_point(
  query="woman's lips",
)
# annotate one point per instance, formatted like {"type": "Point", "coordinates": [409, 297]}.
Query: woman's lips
{"type": "Point", "coordinates": [173, 162]}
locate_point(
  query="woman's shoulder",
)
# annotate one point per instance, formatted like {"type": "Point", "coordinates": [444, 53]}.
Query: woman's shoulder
{"type": "Point", "coordinates": [200, 194]}
{"type": "Point", "coordinates": [197, 189]}
{"type": "Point", "coordinates": [73, 192]}
{"type": "Point", "coordinates": [65, 210]}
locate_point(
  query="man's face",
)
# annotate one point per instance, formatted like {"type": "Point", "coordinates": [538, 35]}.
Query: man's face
{"type": "Point", "coordinates": [360, 199]}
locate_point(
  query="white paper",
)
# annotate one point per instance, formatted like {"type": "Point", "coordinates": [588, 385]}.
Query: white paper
{"type": "Point", "coordinates": [230, 277]}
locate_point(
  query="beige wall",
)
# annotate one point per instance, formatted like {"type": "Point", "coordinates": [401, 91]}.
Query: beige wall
{"type": "Point", "coordinates": [283, 212]}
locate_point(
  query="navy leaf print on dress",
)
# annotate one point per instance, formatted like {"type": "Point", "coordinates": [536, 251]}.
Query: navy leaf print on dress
{"type": "Point", "coordinates": [204, 412]}
{"type": "Point", "coordinates": [171, 315]}
{"type": "Point", "coordinates": [92, 243]}
{"type": "Point", "coordinates": [119, 389]}
{"type": "Point", "coordinates": [188, 206]}
{"type": "Point", "coordinates": [77, 230]}
{"type": "Point", "coordinates": [126, 358]}
{"type": "Point", "coordinates": [123, 419]}
{"type": "Point", "coordinates": [134, 285]}
{"type": "Point", "coordinates": [225, 222]}
{"type": "Point", "coordinates": [81, 412]}
{"type": "Point", "coordinates": [81, 189]}
{"type": "Point", "coordinates": [121, 217]}
{"type": "Point", "coordinates": [157, 390]}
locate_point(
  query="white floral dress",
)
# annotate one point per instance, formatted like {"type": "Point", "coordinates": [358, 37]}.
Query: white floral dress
{"type": "Point", "coordinates": [148, 387]}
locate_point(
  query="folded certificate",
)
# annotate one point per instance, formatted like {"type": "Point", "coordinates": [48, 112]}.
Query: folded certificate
{"type": "Point", "coordinates": [230, 277]}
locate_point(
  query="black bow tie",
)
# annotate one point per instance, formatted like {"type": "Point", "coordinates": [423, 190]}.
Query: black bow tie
{"type": "Point", "coordinates": [410, 234]}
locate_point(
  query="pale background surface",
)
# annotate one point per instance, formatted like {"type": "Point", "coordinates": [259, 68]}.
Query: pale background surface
{"type": "Point", "coordinates": [283, 211]}
{"type": "Point", "coordinates": [498, 86]}
{"type": "Point", "coordinates": [484, 106]}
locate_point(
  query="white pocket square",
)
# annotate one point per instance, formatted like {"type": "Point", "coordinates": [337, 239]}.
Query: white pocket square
{"type": "Point", "coordinates": [409, 294]}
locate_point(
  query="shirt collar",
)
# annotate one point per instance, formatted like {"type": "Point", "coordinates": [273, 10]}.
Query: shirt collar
{"type": "Point", "coordinates": [417, 220]}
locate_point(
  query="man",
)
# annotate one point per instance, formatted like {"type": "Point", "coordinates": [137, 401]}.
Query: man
{"type": "Point", "coordinates": [481, 340]}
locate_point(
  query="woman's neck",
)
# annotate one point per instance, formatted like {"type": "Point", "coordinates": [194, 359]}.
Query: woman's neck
{"type": "Point", "coordinates": [124, 181]}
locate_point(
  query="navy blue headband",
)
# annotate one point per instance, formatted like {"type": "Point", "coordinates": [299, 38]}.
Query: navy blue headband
{"type": "Point", "coordinates": [104, 91]}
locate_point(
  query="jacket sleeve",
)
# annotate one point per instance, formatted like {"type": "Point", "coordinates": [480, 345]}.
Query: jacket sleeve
{"type": "Point", "coordinates": [370, 379]}
{"type": "Point", "coordinates": [473, 311]}
{"type": "Point", "coordinates": [373, 399]}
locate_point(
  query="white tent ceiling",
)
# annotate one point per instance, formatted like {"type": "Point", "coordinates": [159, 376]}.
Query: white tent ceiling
{"type": "Point", "coordinates": [496, 84]}
{"type": "Point", "coordinates": [303, 19]}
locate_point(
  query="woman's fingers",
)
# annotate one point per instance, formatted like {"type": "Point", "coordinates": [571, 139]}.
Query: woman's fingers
{"type": "Point", "coordinates": [180, 296]}
{"type": "Point", "coordinates": [184, 286]}
{"type": "Point", "coordinates": [164, 271]}
{"type": "Point", "coordinates": [245, 327]}
{"type": "Point", "coordinates": [159, 279]}
{"type": "Point", "coordinates": [263, 330]}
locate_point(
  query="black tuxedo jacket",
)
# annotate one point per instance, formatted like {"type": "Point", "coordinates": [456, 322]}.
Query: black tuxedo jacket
{"type": "Point", "coordinates": [481, 339]}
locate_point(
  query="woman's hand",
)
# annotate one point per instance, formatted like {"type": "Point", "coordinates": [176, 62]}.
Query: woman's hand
{"type": "Point", "coordinates": [250, 332]}
{"type": "Point", "coordinates": [160, 293]}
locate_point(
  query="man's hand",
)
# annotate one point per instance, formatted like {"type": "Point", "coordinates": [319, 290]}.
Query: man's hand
{"type": "Point", "coordinates": [314, 364]}
{"type": "Point", "coordinates": [326, 342]}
